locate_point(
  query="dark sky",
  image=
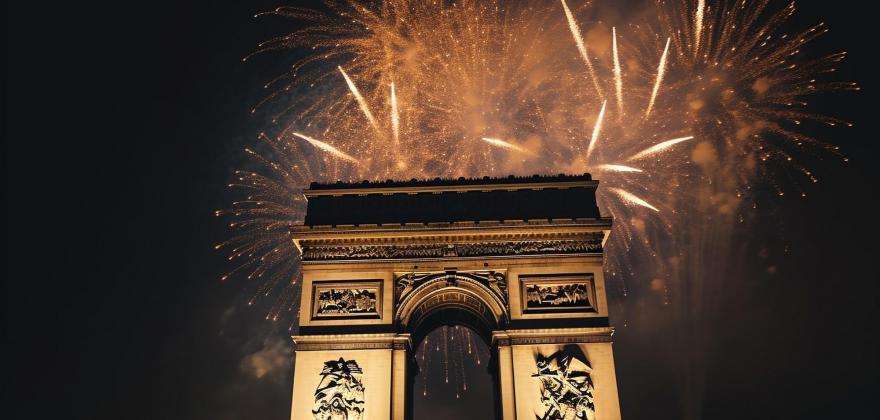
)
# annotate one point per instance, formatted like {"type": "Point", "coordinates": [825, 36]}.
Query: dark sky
{"type": "Point", "coordinates": [122, 123]}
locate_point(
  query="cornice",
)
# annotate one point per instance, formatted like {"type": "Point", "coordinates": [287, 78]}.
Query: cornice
{"type": "Point", "coordinates": [458, 184]}
{"type": "Point", "coordinates": [351, 342]}
{"type": "Point", "coordinates": [552, 336]}
{"type": "Point", "coordinates": [590, 245]}
{"type": "Point", "coordinates": [507, 227]}
{"type": "Point", "coordinates": [451, 188]}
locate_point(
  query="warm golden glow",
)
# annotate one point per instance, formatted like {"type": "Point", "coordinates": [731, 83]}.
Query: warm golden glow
{"type": "Point", "coordinates": [484, 87]}
{"type": "Point", "coordinates": [659, 147]}
{"type": "Point", "coordinates": [661, 68]}
{"type": "Point", "coordinates": [326, 147]}
{"type": "Point", "coordinates": [581, 46]}
{"type": "Point", "coordinates": [360, 100]}
{"type": "Point", "coordinates": [616, 168]}
{"type": "Point", "coordinates": [395, 117]}
{"type": "Point", "coordinates": [698, 24]}
{"type": "Point", "coordinates": [506, 145]}
{"type": "Point", "coordinates": [597, 129]}
{"type": "Point", "coordinates": [632, 198]}
{"type": "Point", "coordinates": [618, 74]}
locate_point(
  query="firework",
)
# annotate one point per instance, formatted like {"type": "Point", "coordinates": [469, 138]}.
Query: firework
{"type": "Point", "coordinates": [659, 147]}
{"type": "Point", "coordinates": [581, 46]}
{"type": "Point", "coordinates": [597, 129]}
{"type": "Point", "coordinates": [632, 198]}
{"type": "Point", "coordinates": [431, 89]}
{"type": "Point", "coordinates": [745, 81]}
{"type": "Point", "coordinates": [661, 68]}
{"type": "Point", "coordinates": [507, 145]}
{"type": "Point", "coordinates": [618, 73]}
{"type": "Point", "coordinates": [327, 148]}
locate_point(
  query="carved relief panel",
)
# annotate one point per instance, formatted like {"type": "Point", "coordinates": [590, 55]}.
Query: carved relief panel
{"type": "Point", "coordinates": [340, 394]}
{"type": "Point", "coordinates": [565, 381]}
{"type": "Point", "coordinates": [566, 387]}
{"type": "Point", "coordinates": [347, 300]}
{"type": "Point", "coordinates": [558, 293]}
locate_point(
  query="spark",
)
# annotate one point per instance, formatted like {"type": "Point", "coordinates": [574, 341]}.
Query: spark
{"type": "Point", "coordinates": [618, 76]}
{"type": "Point", "coordinates": [632, 198]}
{"type": "Point", "coordinates": [659, 147]}
{"type": "Point", "coordinates": [581, 46]}
{"type": "Point", "coordinates": [360, 100]}
{"type": "Point", "coordinates": [395, 116]}
{"type": "Point", "coordinates": [698, 24]}
{"type": "Point", "coordinates": [326, 147]}
{"type": "Point", "coordinates": [597, 128]}
{"type": "Point", "coordinates": [506, 145]}
{"type": "Point", "coordinates": [460, 71]}
{"type": "Point", "coordinates": [617, 168]}
{"type": "Point", "coordinates": [661, 68]}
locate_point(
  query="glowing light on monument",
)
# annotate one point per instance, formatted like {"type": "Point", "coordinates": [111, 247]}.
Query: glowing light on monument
{"type": "Point", "coordinates": [433, 83]}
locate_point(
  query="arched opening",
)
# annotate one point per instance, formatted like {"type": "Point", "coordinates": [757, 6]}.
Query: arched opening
{"type": "Point", "coordinates": [454, 378]}
{"type": "Point", "coordinates": [450, 318]}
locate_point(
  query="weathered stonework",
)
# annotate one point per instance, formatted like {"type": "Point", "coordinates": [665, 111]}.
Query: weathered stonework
{"type": "Point", "coordinates": [533, 288]}
{"type": "Point", "coordinates": [440, 250]}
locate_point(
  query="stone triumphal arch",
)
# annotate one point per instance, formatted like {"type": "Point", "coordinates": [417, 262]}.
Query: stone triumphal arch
{"type": "Point", "coordinates": [518, 260]}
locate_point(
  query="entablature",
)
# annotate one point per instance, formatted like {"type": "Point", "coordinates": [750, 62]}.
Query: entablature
{"type": "Point", "coordinates": [451, 240]}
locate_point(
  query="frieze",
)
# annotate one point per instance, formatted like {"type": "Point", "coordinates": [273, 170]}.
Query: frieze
{"type": "Point", "coordinates": [343, 346]}
{"type": "Point", "coordinates": [496, 281]}
{"type": "Point", "coordinates": [561, 339]}
{"type": "Point", "coordinates": [501, 248]}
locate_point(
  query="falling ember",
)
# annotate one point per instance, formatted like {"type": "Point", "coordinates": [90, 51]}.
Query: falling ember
{"type": "Point", "coordinates": [659, 147]}
{"type": "Point", "coordinates": [661, 68]}
{"type": "Point", "coordinates": [506, 145]}
{"type": "Point", "coordinates": [632, 198]}
{"type": "Point", "coordinates": [395, 116]}
{"type": "Point", "coordinates": [460, 70]}
{"type": "Point", "coordinates": [617, 168]}
{"type": "Point", "coordinates": [698, 24]}
{"type": "Point", "coordinates": [582, 48]}
{"type": "Point", "coordinates": [618, 76]}
{"type": "Point", "coordinates": [597, 128]}
{"type": "Point", "coordinates": [360, 100]}
{"type": "Point", "coordinates": [327, 148]}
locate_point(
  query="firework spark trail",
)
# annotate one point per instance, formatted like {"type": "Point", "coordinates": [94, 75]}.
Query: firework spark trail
{"type": "Point", "coordinates": [509, 146]}
{"type": "Point", "coordinates": [597, 128]}
{"type": "Point", "coordinates": [698, 24]}
{"type": "Point", "coordinates": [360, 100]}
{"type": "Point", "coordinates": [632, 198]}
{"type": "Point", "coordinates": [618, 74]}
{"type": "Point", "coordinates": [581, 46]}
{"type": "Point", "coordinates": [480, 68]}
{"type": "Point", "coordinates": [661, 68]}
{"type": "Point", "coordinates": [395, 117]}
{"type": "Point", "coordinates": [659, 147]}
{"type": "Point", "coordinates": [327, 148]}
{"type": "Point", "coordinates": [617, 168]}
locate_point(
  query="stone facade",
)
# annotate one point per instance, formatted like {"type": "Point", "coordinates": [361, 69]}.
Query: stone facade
{"type": "Point", "coordinates": [533, 289]}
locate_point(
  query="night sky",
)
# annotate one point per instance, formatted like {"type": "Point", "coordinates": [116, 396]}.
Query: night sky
{"type": "Point", "coordinates": [123, 122]}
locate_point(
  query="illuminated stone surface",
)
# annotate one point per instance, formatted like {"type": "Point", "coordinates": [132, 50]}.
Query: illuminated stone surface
{"type": "Point", "coordinates": [532, 287]}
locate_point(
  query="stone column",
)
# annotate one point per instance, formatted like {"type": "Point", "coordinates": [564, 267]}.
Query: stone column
{"type": "Point", "coordinates": [399, 376]}
{"type": "Point", "coordinates": [506, 391]}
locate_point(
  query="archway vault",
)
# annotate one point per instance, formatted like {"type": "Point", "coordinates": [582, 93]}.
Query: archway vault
{"type": "Point", "coordinates": [476, 299]}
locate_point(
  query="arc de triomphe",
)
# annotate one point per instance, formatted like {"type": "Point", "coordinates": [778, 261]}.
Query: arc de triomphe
{"type": "Point", "coordinates": [518, 260]}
